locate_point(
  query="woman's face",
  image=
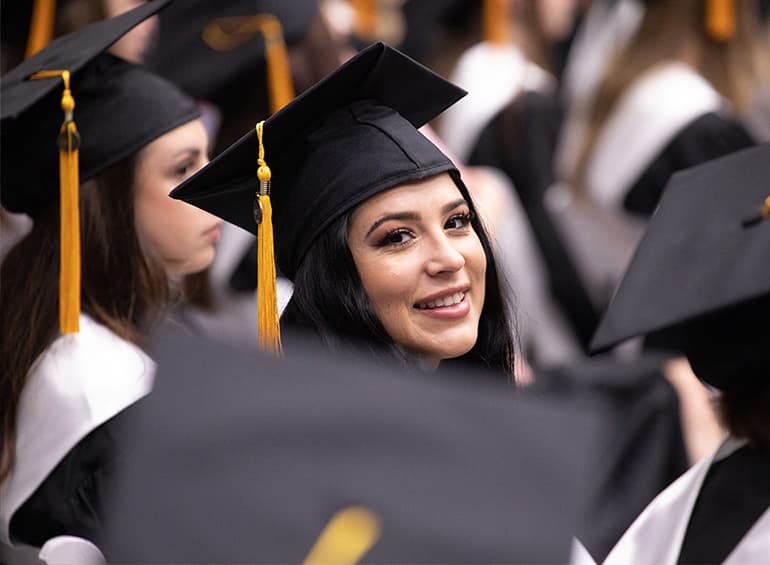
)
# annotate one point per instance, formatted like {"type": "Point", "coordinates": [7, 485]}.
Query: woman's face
{"type": "Point", "coordinates": [182, 236]}
{"type": "Point", "coordinates": [422, 266]}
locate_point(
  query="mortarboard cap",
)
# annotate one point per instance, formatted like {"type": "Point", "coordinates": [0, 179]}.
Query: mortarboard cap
{"type": "Point", "coordinates": [223, 46]}
{"type": "Point", "coordinates": [118, 108]}
{"type": "Point", "coordinates": [345, 139]}
{"type": "Point", "coordinates": [241, 458]}
{"type": "Point", "coordinates": [706, 253]}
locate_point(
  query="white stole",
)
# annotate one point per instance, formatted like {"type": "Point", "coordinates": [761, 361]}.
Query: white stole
{"type": "Point", "coordinates": [78, 383]}
{"type": "Point", "coordinates": [656, 536]}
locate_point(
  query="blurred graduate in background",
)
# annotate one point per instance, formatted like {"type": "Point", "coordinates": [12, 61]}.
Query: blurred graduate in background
{"type": "Point", "coordinates": [699, 281]}
{"type": "Point", "coordinates": [27, 27]}
{"type": "Point", "coordinates": [105, 235]}
{"type": "Point", "coordinates": [242, 61]}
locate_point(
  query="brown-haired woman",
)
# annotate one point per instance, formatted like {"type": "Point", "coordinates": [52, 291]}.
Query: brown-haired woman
{"type": "Point", "coordinates": [62, 396]}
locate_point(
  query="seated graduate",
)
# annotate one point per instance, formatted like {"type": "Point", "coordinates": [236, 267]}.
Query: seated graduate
{"type": "Point", "coordinates": [242, 60]}
{"type": "Point", "coordinates": [673, 97]}
{"type": "Point", "coordinates": [68, 378]}
{"type": "Point", "coordinates": [374, 225]}
{"type": "Point", "coordinates": [700, 281]}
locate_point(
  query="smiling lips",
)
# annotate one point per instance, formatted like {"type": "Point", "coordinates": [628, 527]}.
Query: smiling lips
{"type": "Point", "coordinates": [451, 306]}
{"type": "Point", "coordinates": [449, 300]}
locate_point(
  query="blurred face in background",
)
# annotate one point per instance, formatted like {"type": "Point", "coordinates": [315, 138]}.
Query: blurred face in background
{"type": "Point", "coordinates": [135, 45]}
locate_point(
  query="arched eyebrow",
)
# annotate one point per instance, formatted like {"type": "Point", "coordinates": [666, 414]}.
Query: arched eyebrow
{"type": "Point", "coordinates": [412, 216]}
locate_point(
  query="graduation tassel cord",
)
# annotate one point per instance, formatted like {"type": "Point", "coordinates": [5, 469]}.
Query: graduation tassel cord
{"type": "Point", "coordinates": [228, 33]}
{"type": "Point", "coordinates": [69, 186]}
{"type": "Point", "coordinates": [365, 22]}
{"type": "Point", "coordinates": [497, 21]}
{"type": "Point", "coordinates": [720, 19]}
{"type": "Point", "coordinates": [278, 70]}
{"type": "Point", "coordinates": [41, 26]}
{"type": "Point", "coordinates": [267, 301]}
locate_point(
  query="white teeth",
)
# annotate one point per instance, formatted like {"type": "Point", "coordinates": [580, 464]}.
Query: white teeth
{"type": "Point", "coordinates": [450, 300]}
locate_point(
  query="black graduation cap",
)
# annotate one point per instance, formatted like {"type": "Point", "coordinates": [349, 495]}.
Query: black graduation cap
{"type": "Point", "coordinates": [209, 47]}
{"type": "Point", "coordinates": [241, 458]}
{"type": "Point", "coordinates": [706, 253]}
{"type": "Point", "coordinates": [345, 139]}
{"type": "Point", "coordinates": [119, 108]}
{"type": "Point", "coordinates": [69, 112]}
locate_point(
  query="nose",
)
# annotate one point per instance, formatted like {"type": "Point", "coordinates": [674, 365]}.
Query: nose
{"type": "Point", "coordinates": [443, 256]}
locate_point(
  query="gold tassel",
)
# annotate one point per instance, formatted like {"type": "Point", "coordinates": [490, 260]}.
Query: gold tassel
{"type": "Point", "coordinates": [267, 302]}
{"type": "Point", "coordinates": [365, 23]}
{"type": "Point", "coordinates": [41, 26]}
{"type": "Point", "coordinates": [497, 21]}
{"type": "Point", "coordinates": [69, 186]}
{"type": "Point", "coordinates": [346, 538]}
{"type": "Point", "coordinates": [278, 70]}
{"type": "Point", "coordinates": [226, 34]}
{"type": "Point", "coordinates": [720, 19]}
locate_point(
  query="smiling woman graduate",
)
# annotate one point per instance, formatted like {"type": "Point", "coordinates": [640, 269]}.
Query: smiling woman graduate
{"type": "Point", "coordinates": [373, 223]}
{"type": "Point", "coordinates": [67, 378]}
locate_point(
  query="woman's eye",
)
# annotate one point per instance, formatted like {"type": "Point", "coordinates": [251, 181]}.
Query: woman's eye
{"type": "Point", "coordinates": [184, 169]}
{"type": "Point", "coordinates": [396, 237]}
{"type": "Point", "coordinates": [459, 221]}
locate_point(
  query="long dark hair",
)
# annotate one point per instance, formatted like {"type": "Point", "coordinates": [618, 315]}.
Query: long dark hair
{"type": "Point", "coordinates": [123, 286]}
{"type": "Point", "coordinates": [329, 303]}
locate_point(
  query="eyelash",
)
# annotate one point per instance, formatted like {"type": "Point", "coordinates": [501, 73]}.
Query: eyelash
{"type": "Point", "coordinates": [388, 240]}
{"type": "Point", "coordinates": [465, 219]}
{"type": "Point", "coordinates": [183, 169]}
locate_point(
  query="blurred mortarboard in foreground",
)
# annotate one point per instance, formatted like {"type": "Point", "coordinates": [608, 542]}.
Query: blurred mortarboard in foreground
{"type": "Point", "coordinates": [209, 47]}
{"type": "Point", "coordinates": [118, 108]}
{"type": "Point", "coordinates": [243, 458]}
{"type": "Point", "coordinates": [705, 256]}
{"type": "Point", "coordinates": [349, 137]}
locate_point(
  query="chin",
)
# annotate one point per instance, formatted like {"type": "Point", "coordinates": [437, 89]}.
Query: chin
{"type": "Point", "coordinates": [455, 348]}
{"type": "Point", "coordinates": [199, 263]}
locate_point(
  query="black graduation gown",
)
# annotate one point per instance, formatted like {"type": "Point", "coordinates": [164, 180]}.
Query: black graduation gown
{"type": "Point", "coordinates": [521, 141]}
{"type": "Point", "coordinates": [653, 132]}
{"type": "Point", "coordinates": [68, 437]}
{"type": "Point", "coordinates": [71, 500]}
{"type": "Point", "coordinates": [643, 447]}
{"type": "Point", "coordinates": [734, 494]}
{"type": "Point", "coordinates": [717, 512]}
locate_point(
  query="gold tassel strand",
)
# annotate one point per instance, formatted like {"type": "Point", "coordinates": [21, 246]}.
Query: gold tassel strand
{"type": "Point", "coordinates": [720, 19]}
{"type": "Point", "coordinates": [228, 33]}
{"type": "Point", "coordinates": [69, 186]}
{"type": "Point", "coordinates": [267, 301]}
{"type": "Point", "coordinates": [41, 26]}
{"type": "Point", "coordinates": [278, 69]}
{"type": "Point", "coordinates": [365, 23]}
{"type": "Point", "coordinates": [497, 22]}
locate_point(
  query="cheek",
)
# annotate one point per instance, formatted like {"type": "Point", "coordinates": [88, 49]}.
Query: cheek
{"type": "Point", "coordinates": [476, 266]}
{"type": "Point", "coordinates": [389, 284]}
{"type": "Point", "coordinates": [168, 225]}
